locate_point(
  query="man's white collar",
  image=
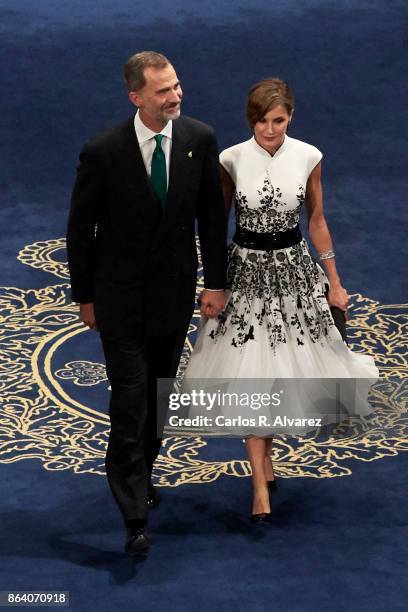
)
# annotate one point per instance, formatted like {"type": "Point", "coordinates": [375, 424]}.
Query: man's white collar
{"type": "Point", "coordinates": [144, 133]}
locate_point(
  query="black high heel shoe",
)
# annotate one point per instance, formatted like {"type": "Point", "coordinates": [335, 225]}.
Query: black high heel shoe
{"type": "Point", "coordinates": [272, 483]}
{"type": "Point", "coordinates": [272, 486]}
{"type": "Point", "coordinates": [263, 517]}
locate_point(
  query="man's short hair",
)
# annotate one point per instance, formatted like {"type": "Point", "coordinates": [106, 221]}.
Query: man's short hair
{"type": "Point", "coordinates": [136, 65]}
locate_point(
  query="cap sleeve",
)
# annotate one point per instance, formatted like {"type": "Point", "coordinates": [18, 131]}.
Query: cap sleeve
{"type": "Point", "coordinates": [313, 158]}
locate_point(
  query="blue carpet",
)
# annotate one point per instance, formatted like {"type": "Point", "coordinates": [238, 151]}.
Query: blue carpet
{"type": "Point", "coordinates": [338, 542]}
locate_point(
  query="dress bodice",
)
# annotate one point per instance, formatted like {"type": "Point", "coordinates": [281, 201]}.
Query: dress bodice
{"type": "Point", "coordinates": [269, 190]}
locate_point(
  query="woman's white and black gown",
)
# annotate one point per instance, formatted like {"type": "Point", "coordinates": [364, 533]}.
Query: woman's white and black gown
{"type": "Point", "coordinates": [277, 322]}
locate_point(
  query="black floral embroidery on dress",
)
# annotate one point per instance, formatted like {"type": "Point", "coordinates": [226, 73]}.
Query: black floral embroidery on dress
{"type": "Point", "coordinates": [277, 293]}
{"type": "Point", "coordinates": [267, 217]}
{"type": "Point", "coordinates": [280, 290]}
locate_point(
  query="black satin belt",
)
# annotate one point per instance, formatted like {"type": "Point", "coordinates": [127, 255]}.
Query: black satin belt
{"type": "Point", "coordinates": [267, 241]}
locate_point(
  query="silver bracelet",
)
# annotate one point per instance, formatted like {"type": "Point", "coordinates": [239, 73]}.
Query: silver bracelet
{"type": "Point", "coordinates": [326, 255]}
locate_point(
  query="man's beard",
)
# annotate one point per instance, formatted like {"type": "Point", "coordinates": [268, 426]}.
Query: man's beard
{"type": "Point", "coordinates": [171, 114]}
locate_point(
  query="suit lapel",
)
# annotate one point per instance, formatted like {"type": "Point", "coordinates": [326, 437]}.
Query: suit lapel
{"type": "Point", "coordinates": [136, 179]}
{"type": "Point", "coordinates": [179, 161]}
{"type": "Point", "coordinates": [179, 169]}
{"type": "Point", "coordinates": [138, 184]}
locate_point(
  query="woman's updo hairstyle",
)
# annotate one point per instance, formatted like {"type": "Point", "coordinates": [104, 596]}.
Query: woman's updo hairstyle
{"type": "Point", "coordinates": [265, 95]}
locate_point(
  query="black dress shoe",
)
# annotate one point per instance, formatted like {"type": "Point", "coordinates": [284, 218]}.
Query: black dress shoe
{"type": "Point", "coordinates": [153, 497]}
{"type": "Point", "coordinates": [137, 542]}
{"type": "Point", "coordinates": [272, 486]}
{"type": "Point", "coordinates": [263, 517]}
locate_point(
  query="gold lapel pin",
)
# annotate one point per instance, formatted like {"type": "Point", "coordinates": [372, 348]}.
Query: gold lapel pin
{"type": "Point", "coordinates": [190, 154]}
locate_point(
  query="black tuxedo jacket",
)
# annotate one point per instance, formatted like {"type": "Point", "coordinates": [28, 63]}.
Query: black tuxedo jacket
{"type": "Point", "coordinates": [136, 263]}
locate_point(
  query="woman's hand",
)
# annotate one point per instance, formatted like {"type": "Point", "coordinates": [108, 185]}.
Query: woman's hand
{"type": "Point", "coordinates": [339, 297]}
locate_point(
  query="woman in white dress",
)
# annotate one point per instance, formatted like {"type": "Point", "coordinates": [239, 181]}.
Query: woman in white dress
{"type": "Point", "coordinates": [277, 320]}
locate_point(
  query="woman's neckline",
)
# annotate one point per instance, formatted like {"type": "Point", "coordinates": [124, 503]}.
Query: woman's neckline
{"type": "Point", "coordinates": [278, 151]}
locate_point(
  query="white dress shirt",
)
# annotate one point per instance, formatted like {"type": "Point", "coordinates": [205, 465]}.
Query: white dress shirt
{"type": "Point", "coordinates": [147, 143]}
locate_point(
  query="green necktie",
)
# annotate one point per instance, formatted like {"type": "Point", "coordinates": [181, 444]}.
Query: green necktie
{"type": "Point", "coordinates": [158, 172]}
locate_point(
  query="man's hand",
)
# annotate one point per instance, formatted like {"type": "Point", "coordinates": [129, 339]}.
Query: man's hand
{"type": "Point", "coordinates": [87, 315]}
{"type": "Point", "coordinates": [211, 302]}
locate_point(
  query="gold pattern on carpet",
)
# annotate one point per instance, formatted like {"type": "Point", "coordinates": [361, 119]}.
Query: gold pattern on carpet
{"type": "Point", "coordinates": [39, 419]}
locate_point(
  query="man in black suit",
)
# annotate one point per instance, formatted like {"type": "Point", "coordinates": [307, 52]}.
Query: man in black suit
{"type": "Point", "coordinates": [132, 258]}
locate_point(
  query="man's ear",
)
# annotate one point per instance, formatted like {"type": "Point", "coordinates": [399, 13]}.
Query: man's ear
{"type": "Point", "coordinates": [135, 98]}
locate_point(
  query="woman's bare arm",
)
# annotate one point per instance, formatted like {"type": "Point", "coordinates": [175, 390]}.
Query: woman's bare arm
{"type": "Point", "coordinates": [228, 189]}
{"type": "Point", "coordinates": [320, 237]}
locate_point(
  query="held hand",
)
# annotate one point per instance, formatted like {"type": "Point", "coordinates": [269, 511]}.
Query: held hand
{"type": "Point", "coordinates": [338, 296]}
{"type": "Point", "coordinates": [87, 315]}
{"type": "Point", "coordinates": [211, 303]}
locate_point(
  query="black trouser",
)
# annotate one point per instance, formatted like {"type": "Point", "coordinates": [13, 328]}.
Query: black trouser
{"type": "Point", "coordinates": [132, 369]}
